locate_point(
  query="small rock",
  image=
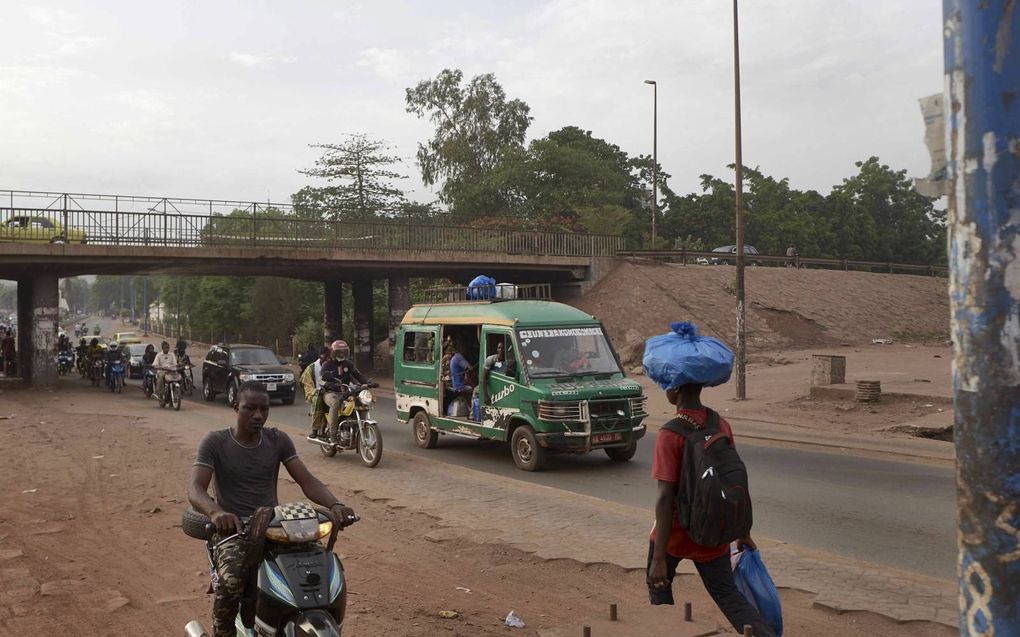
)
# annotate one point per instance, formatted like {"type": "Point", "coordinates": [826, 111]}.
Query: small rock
{"type": "Point", "coordinates": [449, 614]}
{"type": "Point", "coordinates": [155, 510]}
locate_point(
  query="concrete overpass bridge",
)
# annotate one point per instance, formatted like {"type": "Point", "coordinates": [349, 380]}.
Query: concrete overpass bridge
{"type": "Point", "coordinates": [45, 236]}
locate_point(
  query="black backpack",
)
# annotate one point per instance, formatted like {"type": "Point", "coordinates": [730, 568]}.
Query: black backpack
{"type": "Point", "coordinates": [713, 503]}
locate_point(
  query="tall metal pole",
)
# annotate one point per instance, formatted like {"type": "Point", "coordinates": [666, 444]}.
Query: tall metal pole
{"type": "Point", "coordinates": [739, 199]}
{"type": "Point", "coordinates": [982, 65]}
{"type": "Point", "coordinates": [655, 155]}
{"type": "Point", "coordinates": [145, 306]}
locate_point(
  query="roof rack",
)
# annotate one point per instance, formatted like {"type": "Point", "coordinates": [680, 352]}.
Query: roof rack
{"type": "Point", "coordinates": [489, 293]}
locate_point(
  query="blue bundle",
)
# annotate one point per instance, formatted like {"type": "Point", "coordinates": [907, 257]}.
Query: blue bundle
{"type": "Point", "coordinates": [756, 585]}
{"type": "Point", "coordinates": [682, 357]}
{"type": "Point", "coordinates": [481, 288]}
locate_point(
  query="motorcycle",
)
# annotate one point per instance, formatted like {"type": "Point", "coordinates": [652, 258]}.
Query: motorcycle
{"type": "Point", "coordinates": [171, 390]}
{"type": "Point", "coordinates": [187, 379]}
{"type": "Point", "coordinates": [115, 376]}
{"type": "Point", "coordinates": [96, 371]}
{"type": "Point", "coordinates": [355, 428]}
{"type": "Point", "coordinates": [297, 585]}
{"type": "Point", "coordinates": [148, 380]}
{"type": "Point", "coordinates": [65, 362]}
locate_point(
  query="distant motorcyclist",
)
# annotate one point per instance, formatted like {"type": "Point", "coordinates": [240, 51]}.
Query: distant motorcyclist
{"type": "Point", "coordinates": [164, 362]}
{"type": "Point", "coordinates": [113, 355]}
{"type": "Point", "coordinates": [338, 370]}
{"type": "Point", "coordinates": [308, 357]}
{"type": "Point", "coordinates": [81, 352]}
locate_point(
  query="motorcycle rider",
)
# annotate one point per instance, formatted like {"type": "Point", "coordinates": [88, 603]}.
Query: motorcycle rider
{"type": "Point", "coordinates": [113, 355]}
{"type": "Point", "coordinates": [81, 352]}
{"type": "Point", "coordinates": [94, 353]}
{"type": "Point", "coordinates": [338, 370]}
{"type": "Point", "coordinates": [183, 358]}
{"type": "Point", "coordinates": [164, 362]}
{"type": "Point", "coordinates": [148, 359]}
{"type": "Point", "coordinates": [245, 460]}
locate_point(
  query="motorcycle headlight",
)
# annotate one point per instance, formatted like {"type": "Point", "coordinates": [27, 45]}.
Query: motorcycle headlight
{"type": "Point", "coordinates": [288, 377]}
{"type": "Point", "coordinates": [299, 531]}
{"type": "Point", "coordinates": [365, 397]}
{"type": "Point", "coordinates": [246, 377]}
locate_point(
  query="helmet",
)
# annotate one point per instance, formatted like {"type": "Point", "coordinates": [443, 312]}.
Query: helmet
{"type": "Point", "coordinates": [113, 346]}
{"type": "Point", "coordinates": [340, 350]}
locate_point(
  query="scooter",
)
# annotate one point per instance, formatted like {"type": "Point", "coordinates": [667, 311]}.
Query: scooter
{"type": "Point", "coordinates": [65, 362]}
{"type": "Point", "coordinates": [297, 585]}
{"type": "Point", "coordinates": [115, 376]}
{"type": "Point", "coordinates": [355, 428]}
{"type": "Point", "coordinates": [171, 390]}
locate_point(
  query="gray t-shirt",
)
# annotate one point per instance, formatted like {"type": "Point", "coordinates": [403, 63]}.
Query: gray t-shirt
{"type": "Point", "coordinates": [245, 477]}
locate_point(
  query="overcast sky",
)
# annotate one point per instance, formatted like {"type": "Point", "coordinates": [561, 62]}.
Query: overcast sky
{"type": "Point", "coordinates": [221, 98]}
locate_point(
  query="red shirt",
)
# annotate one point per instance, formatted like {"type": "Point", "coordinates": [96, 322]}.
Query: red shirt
{"type": "Point", "coordinates": [669, 452]}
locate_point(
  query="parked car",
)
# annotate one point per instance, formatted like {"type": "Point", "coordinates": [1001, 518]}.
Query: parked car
{"type": "Point", "coordinates": [226, 366]}
{"type": "Point", "coordinates": [731, 255]}
{"type": "Point", "coordinates": [33, 229]}
{"type": "Point", "coordinates": [127, 338]}
{"type": "Point", "coordinates": [134, 353]}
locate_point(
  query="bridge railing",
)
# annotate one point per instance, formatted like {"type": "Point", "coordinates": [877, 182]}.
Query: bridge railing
{"type": "Point", "coordinates": [180, 230]}
{"type": "Point", "coordinates": [685, 257]}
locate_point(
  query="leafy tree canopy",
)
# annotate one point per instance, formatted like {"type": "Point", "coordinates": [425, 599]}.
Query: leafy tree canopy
{"type": "Point", "coordinates": [476, 127]}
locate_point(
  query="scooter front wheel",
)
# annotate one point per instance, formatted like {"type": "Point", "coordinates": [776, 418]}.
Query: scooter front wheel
{"type": "Point", "coordinates": [175, 397]}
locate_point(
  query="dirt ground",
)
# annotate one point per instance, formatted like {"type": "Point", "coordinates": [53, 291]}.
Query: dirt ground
{"type": "Point", "coordinates": [786, 309]}
{"type": "Point", "coordinates": [779, 385]}
{"type": "Point", "coordinates": [90, 544]}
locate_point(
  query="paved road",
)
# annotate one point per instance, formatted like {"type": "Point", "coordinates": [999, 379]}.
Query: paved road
{"type": "Point", "coordinates": [894, 513]}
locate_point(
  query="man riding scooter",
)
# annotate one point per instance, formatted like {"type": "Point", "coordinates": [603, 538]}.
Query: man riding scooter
{"type": "Point", "coordinates": [113, 355]}
{"type": "Point", "coordinates": [338, 370]}
{"type": "Point", "coordinates": [245, 460]}
{"type": "Point", "coordinates": [164, 362]}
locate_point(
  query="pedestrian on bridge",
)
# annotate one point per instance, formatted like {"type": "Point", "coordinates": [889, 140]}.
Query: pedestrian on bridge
{"type": "Point", "coordinates": [703, 503]}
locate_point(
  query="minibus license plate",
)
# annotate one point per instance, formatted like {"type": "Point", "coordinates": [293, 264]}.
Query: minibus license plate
{"type": "Point", "coordinates": [600, 438]}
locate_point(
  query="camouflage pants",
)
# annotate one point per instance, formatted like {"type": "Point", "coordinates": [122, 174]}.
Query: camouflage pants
{"type": "Point", "coordinates": [231, 580]}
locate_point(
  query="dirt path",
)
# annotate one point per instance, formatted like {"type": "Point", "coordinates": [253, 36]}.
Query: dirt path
{"type": "Point", "coordinates": [89, 545]}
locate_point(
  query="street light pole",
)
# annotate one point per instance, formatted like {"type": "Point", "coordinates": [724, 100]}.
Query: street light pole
{"type": "Point", "coordinates": [739, 197]}
{"type": "Point", "coordinates": [655, 155]}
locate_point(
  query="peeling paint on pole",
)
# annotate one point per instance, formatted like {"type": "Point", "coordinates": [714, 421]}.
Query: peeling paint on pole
{"type": "Point", "coordinates": [982, 63]}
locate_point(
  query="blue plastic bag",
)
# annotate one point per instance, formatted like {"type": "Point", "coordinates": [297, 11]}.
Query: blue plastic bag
{"type": "Point", "coordinates": [682, 357]}
{"type": "Point", "coordinates": [481, 288]}
{"type": "Point", "coordinates": [756, 585]}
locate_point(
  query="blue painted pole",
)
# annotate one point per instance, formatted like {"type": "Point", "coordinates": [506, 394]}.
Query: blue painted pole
{"type": "Point", "coordinates": [982, 64]}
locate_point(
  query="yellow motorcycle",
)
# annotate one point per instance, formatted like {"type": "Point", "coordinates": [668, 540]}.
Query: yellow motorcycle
{"type": "Point", "coordinates": [353, 428]}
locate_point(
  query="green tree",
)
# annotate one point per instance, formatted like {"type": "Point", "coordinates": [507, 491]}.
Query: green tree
{"type": "Point", "coordinates": [476, 127]}
{"type": "Point", "coordinates": [360, 179]}
{"type": "Point", "coordinates": [880, 217]}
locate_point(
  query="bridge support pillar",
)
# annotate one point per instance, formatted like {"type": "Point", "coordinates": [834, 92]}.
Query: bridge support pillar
{"type": "Point", "coordinates": [333, 322]}
{"type": "Point", "coordinates": [363, 346]}
{"type": "Point", "coordinates": [38, 317]}
{"type": "Point", "coordinates": [400, 302]}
